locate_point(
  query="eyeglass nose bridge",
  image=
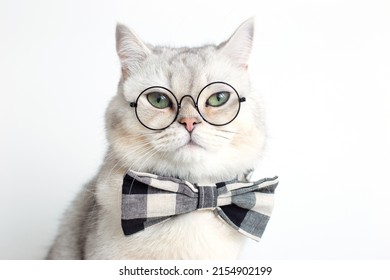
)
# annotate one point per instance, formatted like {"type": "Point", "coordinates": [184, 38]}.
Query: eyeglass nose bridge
{"type": "Point", "coordinates": [189, 96]}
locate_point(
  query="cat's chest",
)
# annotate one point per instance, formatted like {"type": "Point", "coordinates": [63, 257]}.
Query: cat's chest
{"type": "Point", "coordinates": [196, 235]}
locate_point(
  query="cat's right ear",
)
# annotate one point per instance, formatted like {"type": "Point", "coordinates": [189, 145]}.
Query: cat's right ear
{"type": "Point", "coordinates": [239, 46]}
{"type": "Point", "coordinates": [131, 50]}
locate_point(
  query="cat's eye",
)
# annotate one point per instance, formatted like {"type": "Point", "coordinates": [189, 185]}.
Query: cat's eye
{"type": "Point", "coordinates": [159, 100]}
{"type": "Point", "coordinates": [218, 99]}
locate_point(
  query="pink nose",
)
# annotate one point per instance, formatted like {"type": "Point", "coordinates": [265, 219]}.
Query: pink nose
{"type": "Point", "coordinates": [189, 123]}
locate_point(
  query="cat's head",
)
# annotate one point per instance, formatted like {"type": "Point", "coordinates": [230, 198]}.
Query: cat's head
{"type": "Point", "coordinates": [190, 147]}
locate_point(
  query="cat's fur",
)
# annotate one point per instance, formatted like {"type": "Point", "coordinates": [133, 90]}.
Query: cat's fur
{"type": "Point", "coordinates": [92, 225]}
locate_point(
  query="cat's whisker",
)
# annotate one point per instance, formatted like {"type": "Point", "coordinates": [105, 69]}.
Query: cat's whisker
{"type": "Point", "coordinates": [228, 131]}
{"type": "Point", "coordinates": [123, 138]}
{"type": "Point", "coordinates": [140, 159]}
{"type": "Point", "coordinates": [132, 141]}
{"type": "Point", "coordinates": [113, 168]}
{"type": "Point", "coordinates": [222, 136]}
{"type": "Point", "coordinates": [141, 147]}
{"type": "Point", "coordinates": [152, 132]}
{"type": "Point", "coordinates": [128, 152]}
{"type": "Point", "coordinates": [145, 160]}
{"type": "Point", "coordinates": [119, 164]}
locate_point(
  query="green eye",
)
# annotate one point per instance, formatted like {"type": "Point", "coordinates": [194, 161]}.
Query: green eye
{"type": "Point", "coordinates": [218, 99]}
{"type": "Point", "coordinates": [159, 100]}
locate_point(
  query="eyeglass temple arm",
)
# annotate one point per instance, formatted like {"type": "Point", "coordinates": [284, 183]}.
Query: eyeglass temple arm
{"type": "Point", "coordinates": [242, 99]}
{"type": "Point", "coordinates": [133, 104]}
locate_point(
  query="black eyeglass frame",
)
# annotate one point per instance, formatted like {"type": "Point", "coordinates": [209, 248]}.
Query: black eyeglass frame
{"type": "Point", "coordinates": [178, 103]}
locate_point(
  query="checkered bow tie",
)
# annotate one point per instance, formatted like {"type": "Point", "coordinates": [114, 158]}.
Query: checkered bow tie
{"type": "Point", "coordinates": [148, 199]}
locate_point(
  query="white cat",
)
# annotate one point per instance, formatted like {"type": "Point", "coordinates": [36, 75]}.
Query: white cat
{"type": "Point", "coordinates": [190, 148]}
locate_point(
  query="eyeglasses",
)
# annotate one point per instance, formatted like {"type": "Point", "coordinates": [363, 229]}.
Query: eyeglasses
{"type": "Point", "coordinates": [218, 103]}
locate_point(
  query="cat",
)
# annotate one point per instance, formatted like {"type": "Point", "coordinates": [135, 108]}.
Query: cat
{"type": "Point", "coordinates": [190, 149]}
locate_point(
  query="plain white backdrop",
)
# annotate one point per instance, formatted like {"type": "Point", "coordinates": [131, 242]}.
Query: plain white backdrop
{"type": "Point", "coordinates": [323, 68]}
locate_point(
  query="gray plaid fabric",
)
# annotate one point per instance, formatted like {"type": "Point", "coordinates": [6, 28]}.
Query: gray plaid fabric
{"type": "Point", "coordinates": [148, 199]}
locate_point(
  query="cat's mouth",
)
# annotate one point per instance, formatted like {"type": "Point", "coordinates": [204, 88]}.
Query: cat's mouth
{"type": "Point", "coordinates": [191, 144]}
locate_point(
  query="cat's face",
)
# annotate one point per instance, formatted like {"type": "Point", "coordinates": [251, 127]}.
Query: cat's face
{"type": "Point", "coordinates": [190, 147]}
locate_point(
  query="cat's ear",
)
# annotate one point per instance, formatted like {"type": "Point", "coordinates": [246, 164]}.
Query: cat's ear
{"type": "Point", "coordinates": [131, 50]}
{"type": "Point", "coordinates": [239, 46]}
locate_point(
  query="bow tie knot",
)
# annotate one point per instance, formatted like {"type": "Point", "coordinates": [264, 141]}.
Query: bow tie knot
{"type": "Point", "coordinates": [208, 197]}
{"type": "Point", "coordinates": [148, 199]}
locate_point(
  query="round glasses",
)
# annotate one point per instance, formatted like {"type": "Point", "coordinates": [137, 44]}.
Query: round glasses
{"type": "Point", "coordinates": [218, 103]}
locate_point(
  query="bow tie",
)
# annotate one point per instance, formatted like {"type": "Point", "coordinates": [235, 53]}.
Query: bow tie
{"type": "Point", "coordinates": [148, 199]}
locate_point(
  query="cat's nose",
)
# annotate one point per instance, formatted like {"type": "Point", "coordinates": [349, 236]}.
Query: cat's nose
{"type": "Point", "coordinates": [189, 123]}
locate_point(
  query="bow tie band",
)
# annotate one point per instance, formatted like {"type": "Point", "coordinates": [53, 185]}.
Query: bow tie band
{"type": "Point", "coordinates": [148, 199]}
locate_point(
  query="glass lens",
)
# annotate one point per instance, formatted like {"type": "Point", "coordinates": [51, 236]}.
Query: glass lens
{"type": "Point", "coordinates": [218, 103]}
{"type": "Point", "coordinates": [156, 108]}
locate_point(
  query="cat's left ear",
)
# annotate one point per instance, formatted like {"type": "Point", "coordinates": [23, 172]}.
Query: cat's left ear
{"type": "Point", "coordinates": [239, 46]}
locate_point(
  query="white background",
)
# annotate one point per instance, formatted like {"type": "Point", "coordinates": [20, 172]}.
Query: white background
{"type": "Point", "coordinates": [323, 68]}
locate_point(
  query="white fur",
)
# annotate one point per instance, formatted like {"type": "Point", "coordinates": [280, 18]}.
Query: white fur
{"type": "Point", "coordinates": [220, 153]}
